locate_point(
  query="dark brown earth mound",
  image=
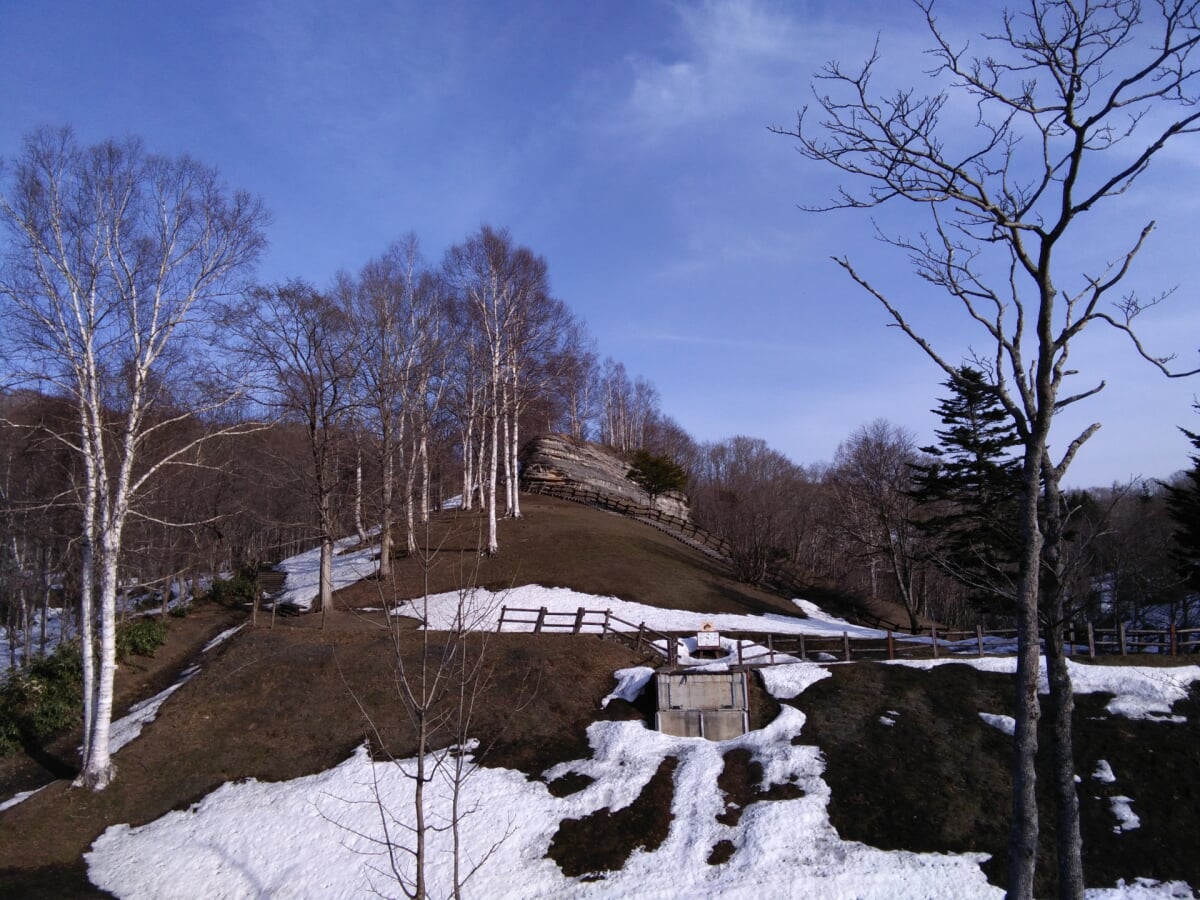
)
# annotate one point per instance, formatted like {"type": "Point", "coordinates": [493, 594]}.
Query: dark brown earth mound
{"type": "Point", "coordinates": [937, 779]}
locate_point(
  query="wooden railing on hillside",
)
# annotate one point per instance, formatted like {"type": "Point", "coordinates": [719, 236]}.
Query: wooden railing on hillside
{"type": "Point", "coordinates": [542, 620]}
{"type": "Point", "coordinates": [758, 649]}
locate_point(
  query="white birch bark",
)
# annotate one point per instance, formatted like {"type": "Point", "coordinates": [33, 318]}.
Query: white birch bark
{"type": "Point", "coordinates": [116, 252]}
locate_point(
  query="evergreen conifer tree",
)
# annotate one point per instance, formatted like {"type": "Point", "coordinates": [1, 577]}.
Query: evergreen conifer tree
{"type": "Point", "coordinates": [969, 490]}
{"type": "Point", "coordinates": [1183, 505]}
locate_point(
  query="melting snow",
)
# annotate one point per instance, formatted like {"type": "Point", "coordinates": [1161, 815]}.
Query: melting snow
{"type": "Point", "coordinates": [630, 684]}
{"type": "Point", "coordinates": [223, 636]}
{"type": "Point", "coordinates": [1139, 692]}
{"type": "Point", "coordinates": [1007, 724]}
{"type": "Point", "coordinates": [320, 836]}
{"type": "Point", "coordinates": [1127, 819]}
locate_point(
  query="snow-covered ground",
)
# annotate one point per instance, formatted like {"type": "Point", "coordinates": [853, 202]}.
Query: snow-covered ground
{"type": "Point", "coordinates": [13, 643]}
{"type": "Point", "coordinates": [323, 836]}
{"type": "Point", "coordinates": [482, 608]}
{"type": "Point", "coordinates": [304, 571]}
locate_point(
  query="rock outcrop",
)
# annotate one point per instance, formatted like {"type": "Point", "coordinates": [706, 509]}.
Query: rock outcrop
{"type": "Point", "coordinates": [560, 463]}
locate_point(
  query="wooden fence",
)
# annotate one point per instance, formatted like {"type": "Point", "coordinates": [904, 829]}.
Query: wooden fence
{"type": "Point", "coordinates": [759, 649]}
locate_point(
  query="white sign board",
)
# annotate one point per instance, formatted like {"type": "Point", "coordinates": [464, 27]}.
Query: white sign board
{"type": "Point", "coordinates": [708, 640]}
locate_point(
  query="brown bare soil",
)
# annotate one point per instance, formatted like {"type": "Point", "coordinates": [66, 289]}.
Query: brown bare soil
{"type": "Point", "coordinates": [276, 703]}
{"type": "Point", "coordinates": [602, 842]}
{"type": "Point", "coordinates": [938, 780]}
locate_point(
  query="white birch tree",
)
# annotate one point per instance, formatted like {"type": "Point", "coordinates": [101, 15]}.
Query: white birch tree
{"type": "Point", "coordinates": [115, 258]}
{"type": "Point", "coordinates": [494, 282]}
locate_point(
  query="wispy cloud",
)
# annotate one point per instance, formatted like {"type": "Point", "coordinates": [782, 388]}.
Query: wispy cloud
{"type": "Point", "coordinates": [726, 54]}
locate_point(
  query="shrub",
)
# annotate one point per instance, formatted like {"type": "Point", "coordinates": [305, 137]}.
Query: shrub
{"type": "Point", "coordinates": [38, 702]}
{"type": "Point", "coordinates": [141, 637]}
{"type": "Point", "coordinates": [236, 591]}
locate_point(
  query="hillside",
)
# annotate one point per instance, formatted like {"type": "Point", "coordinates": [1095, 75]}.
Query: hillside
{"type": "Point", "coordinates": [296, 700]}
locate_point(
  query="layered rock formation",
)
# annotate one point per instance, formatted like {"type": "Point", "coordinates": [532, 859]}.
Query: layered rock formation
{"type": "Point", "coordinates": [560, 463]}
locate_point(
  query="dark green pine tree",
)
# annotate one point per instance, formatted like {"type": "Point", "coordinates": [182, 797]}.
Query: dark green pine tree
{"type": "Point", "coordinates": [969, 490]}
{"type": "Point", "coordinates": [1183, 505]}
{"type": "Point", "coordinates": [657, 474]}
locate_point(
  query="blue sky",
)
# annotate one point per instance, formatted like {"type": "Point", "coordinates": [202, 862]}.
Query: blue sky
{"type": "Point", "coordinates": [626, 142]}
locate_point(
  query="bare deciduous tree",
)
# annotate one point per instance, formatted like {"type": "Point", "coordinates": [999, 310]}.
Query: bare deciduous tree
{"type": "Point", "coordinates": [873, 479]}
{"type": "Point", "coordinates": [1073, 102]}
{"type": "Point", "coordinates": [296, 341]}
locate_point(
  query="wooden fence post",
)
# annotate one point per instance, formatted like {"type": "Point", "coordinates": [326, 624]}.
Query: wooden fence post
{"type": "Point", "coordinates": [846, 645]}
{"type": "Point", "coordinates": [1121, 636]}
{"type": "Point", "coordinates": [771, 649]}
{"type": "Point", "coordinates": [933, 640]}
{"type": "Point", "coordinates": [1174, 644]}
{"type": "Point", "coordinates": [891, 645]}
{"type": "Point", "coordinates": [541, 619]}
{"type": "Point", "coordinates": [803, 654]}
{"type": "Point", "coordinates": [739, 646]}
{"type": "Point", "coordinates": [672, 651]}
{"type": "Point", "coordinates": [503, 613]}
{"type": "Point", "coordinates": [1091, 641]}
{"type": "Point", "coordinates": [979, 638]}
{"type": "Point", "coordinates": [578, 621]}
{"type": "Point", "coordinates": [640, 633]}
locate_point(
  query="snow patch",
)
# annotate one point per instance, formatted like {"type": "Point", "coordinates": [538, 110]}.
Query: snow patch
{"type": "Point", "coordinates": [483, 610]}
{"type": "Point", "coordinates": [791, 680]}
{"type": "Point", "coordinates": [304, 571]}
{"type": "Point", "coordinates": [630, 684]}
{"type": "Point", "coordinates": [1139, 692]}
{"type": "Point", "coordinates": [1127, 819]}
{"type": "Point", "coordinates": [223, 636]}
{"type": "Point", "coordinates": [1104, 772]}
{"type": "Point", "coordinates": [1143, 889]}
{"type": "Point", "coordinates": [1007, 724]}
{"type": "Point", "coordinates": [130, 726]}
{"type": "Point", "coordinates": [21, 797]}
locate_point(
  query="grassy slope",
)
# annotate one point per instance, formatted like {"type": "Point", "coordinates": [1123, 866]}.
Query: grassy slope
{"type": "Point", "coordinates": [274, 704]}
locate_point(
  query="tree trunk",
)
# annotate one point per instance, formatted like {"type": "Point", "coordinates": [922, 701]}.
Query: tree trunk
{"type": "Point", "coordinates": [1068, 841]}
{"type": "Point", "coordinates": [493, 543]}
{"type": "Point", "coordinates": [424, 454]}
{"type": "Point", "coordinates": [98, 770]}
{"type": "Point", "coordinates": [1023, 834]}
{"type": "Point", "coordinates": [385, 518]}
{"type": "Point", "coordinates": [326, 577]}
{"type": "Point", "coordinates": [505, 444]}
{"type": "Point", "coordinates": [410, 475]}
{"type": "Point", "coordinates": [514, 486]}
{"type": "Point", "coordinates": [359, 527]}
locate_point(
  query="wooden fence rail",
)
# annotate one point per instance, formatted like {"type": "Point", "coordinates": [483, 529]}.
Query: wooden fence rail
{"type": "Point", "coordinates": [756, 649]}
